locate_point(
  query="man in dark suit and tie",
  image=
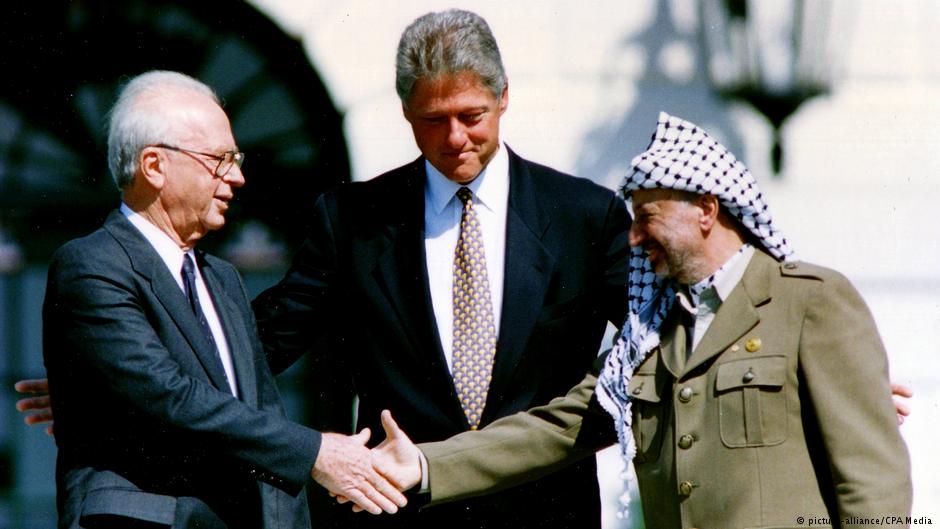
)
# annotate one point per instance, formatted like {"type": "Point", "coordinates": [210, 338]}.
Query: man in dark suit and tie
{"type": "Point", "coordinates": [167, 414]}
{"type": "Point", "coordinates": [462, 287]}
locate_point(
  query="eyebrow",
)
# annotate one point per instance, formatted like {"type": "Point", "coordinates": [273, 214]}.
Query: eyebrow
{"type": "Point", "coordinates": [482, 108]}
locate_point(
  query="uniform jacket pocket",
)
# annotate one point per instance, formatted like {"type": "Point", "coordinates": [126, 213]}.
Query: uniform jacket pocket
{"type": "Point", "coordinates": [752, 401]}
{"type": "Point", "coordinates": [649, 414]}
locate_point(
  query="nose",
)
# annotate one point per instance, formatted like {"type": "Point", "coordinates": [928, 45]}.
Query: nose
{"type": "Point", "coordinates": [234, 177]}
{"type": "Point", "coordinates": [456, 134]}
{"type": "Point", "coordinates": [637, 235]}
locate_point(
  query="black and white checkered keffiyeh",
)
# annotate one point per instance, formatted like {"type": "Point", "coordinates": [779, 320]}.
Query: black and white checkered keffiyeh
{"type": "Point", "coordinates": [681, 156]}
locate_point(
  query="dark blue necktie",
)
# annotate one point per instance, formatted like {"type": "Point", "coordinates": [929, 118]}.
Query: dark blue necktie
{"type": "Point", "coordinates": [189, 285]}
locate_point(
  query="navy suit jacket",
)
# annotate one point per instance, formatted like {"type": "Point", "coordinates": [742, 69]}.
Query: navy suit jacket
{"type": "Point", "coordinates": [148, 431]}
{"type": "Point", "coordinates": [361, 281]}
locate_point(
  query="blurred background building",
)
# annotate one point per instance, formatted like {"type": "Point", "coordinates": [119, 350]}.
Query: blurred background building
{"type": "Point", "coordinates": [833, 104]}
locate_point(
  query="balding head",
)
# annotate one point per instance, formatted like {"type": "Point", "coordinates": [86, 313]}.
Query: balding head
{"type": "Point", "coordinates": [149, 109]}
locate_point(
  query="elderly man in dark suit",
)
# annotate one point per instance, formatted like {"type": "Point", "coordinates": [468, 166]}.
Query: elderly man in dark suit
{"type": "Point", "coordinates": [462, 287]}
{"type": "Point", "coordinates": [166, 411]}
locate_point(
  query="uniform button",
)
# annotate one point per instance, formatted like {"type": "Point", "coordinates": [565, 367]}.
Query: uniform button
{"type": "Point", "coordinates": [749, 376]}
{"type": "Point", "coordinates": [685, 488]}
{"type": "Point", "coordinates": [686, 441]}
{"type": "Point", "coordinates": [685, 394]}
{"type": "Point", "coordinates": [753, 345]}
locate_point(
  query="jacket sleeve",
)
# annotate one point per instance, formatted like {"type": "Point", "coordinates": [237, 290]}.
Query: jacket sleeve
{"type": "Point", "coordinates": [97, 325]}
{"type": "Point", "coordinates": [295, 314]}
{"type": "Point", "coordinates": [617, 260]}
{"type": "Point", "coordinates": [519, 448]}
{"type": "Point", "coordinates": [846, 372]}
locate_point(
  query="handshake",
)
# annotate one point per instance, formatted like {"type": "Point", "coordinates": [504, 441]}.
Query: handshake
{"type": "Point", "coordinates": [372, 480]}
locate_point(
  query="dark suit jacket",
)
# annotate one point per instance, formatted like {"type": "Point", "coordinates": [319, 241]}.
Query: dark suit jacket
{"type": "Point", "coordinates": [147, 429]}
{"type": "Point", "coordinates": [361, 278]}
{"type": "Point", "coordinates": [787, 414]}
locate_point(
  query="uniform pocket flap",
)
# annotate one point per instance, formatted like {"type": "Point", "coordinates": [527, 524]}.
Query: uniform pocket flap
{"type": "Point", "coordinates": [129, 503]}
{"type": "Point", "coordinates": [758, 371]}
{"type": "Point", "coordinates": [643, 387]}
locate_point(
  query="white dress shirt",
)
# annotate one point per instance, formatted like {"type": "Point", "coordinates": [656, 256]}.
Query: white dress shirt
{"type": "Point", "coordinates": [172, 256]}
{"type": "Point", "coordinates": [442, 210]}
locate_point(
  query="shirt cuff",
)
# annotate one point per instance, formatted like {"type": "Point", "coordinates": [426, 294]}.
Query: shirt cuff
{"type": "Point", "coordinates": [425, 482]}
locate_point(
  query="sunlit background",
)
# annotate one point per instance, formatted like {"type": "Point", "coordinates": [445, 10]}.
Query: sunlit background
{"type": "Point", "coordinates": [834, 106]}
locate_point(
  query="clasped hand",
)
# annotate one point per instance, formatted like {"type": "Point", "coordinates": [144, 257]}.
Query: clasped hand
{"type": "Point", "coordinates": [344, 466]}
{"type": "Point", "coordinates": [396, 459]}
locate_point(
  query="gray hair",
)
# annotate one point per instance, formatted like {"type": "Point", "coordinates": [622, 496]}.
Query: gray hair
{"type": "Point", "coordinates": [448, 42]}
{"type": "Point", "coordinates": [134, 126]}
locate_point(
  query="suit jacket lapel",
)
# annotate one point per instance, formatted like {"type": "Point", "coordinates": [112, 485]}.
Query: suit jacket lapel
{"type": "Point", "coordinates": [235, 328]}
{"type": "Point", "coordinates": [402, 271]}
{"type": "Point", "coordinates": [527, 271]}
{"type": "Point", "coordinates": [737, 314]}
{"type": "Point", "coordinates": [148, 264]}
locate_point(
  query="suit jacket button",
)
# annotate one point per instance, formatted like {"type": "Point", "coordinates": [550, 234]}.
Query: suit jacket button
{"type": "Point", "coordinates": [685, 394]}
{"type": "Point", "coordinates": [685, 488]}
{"type": "Point", "coordinates": [686, 441]}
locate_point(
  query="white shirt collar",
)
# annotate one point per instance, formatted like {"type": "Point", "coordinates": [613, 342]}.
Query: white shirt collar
{"type": "Point", "coordinates": [729, 275]}
{"type": "Point", "coordinates": [167, 249]}
{"type": "Point", "coordinates": [491, 187]}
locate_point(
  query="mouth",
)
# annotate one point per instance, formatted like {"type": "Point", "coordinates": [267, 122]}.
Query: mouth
{"type": "Point", "coordinates": [654, 253]}
{"type": "Point", "coordinates": [460, 155]}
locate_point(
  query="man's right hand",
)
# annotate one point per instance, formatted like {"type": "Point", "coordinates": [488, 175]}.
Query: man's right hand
{"type": "Point", "coordinates": [397, 458]}
{"type": "Point", "coordinates": [344, 467]}
{"type": "Point", "coordinates": [38, 405]}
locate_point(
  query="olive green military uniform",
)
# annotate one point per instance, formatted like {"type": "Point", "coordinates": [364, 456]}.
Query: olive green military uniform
{"type": "Point", "coordinates": [780, 417]}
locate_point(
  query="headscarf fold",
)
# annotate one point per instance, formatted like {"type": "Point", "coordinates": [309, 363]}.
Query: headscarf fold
{"type": "Point", "coordinates": [683, 157]}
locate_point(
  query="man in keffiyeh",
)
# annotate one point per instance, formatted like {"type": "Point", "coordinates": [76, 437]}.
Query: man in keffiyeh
{"type": "Point", "coordinates": [748, 389]}
{"type": "Point", "coordinates": [758, 384]}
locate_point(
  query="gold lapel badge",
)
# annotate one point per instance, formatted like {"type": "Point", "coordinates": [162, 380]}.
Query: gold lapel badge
{"type": "Point", "coordinates": [752, 345]}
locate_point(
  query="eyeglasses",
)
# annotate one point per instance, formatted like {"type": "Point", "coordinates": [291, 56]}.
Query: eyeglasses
{"type": "Point", "coordinates": [226, 160]}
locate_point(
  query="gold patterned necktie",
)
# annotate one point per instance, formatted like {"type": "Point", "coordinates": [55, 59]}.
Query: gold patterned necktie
{"type": "Point", "coordinates": [474, 331]}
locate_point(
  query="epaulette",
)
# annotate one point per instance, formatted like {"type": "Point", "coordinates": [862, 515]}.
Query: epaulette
{"type": "Point", "coordinates": [801, 269]}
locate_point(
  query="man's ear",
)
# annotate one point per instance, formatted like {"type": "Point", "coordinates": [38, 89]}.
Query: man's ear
{"type": "Point", "coordinates": [710, 209]}
{"type": "Point", "coordinates": [152, 165]}
{"type": "Point", "coordinates": [504, 98]}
